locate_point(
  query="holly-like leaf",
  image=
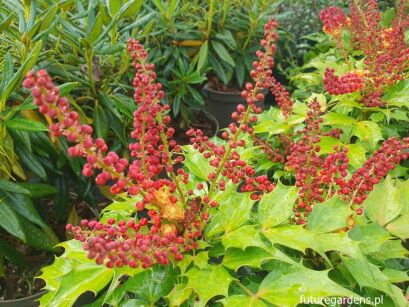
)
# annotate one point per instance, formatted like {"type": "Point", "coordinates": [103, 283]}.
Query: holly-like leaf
{"type": "Point", "coordinates": [383, 203]}
{"type": "Point", "coordinates": [243, 237]}
{"type": "Point", "coordinates": [234, 211]}
{"type": "Point", "coordinates": [399, 227]}
{"type": "Point", "coordinates": [252, 257]}
{"type": "Point", "coordinates": [329, 216]}
{"type": "Point", "coordinates": [368, 131]}
{"type": "Point", "coordinates": [356, 155]}
{"type": "Point", "coordinates": [243, 300]}
{"type": "Point", "coordinates": [286, 285]}
{"type": "Point", "coordinates": [149, 285]}
{"type": "Point", "coordinates": [197, 164]}
{"type": "Point", "coordinates": [369, 275]}
{"type": "Point", "coordinates": [210, 282]}
{"type": "Point", "coordinates": [179, 294]}
{"type": "Point", "coordinates": [276, 207]}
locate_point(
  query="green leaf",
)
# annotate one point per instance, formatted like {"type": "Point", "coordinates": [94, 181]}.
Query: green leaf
{"type": "Point", "coordinates": [276, 207]}
{"type": "Point", "coordinates": [383, 204]}
{"type": "Point", "coordinates": [8, 70]}
{"type": "Point", "coordinates": [37, 238]}
{"type": "Point", "coordinates": [395, 276]}
{"type": "Point", "coordinates": [368, 132]}
{"type": "Point", "coordinates": [243, 237]}
{"type": "Point", "coordinates": [356, 155]}
{"type": "Point", "coordinates": [204, 50]}
{"type": "Point", "coordinates": [10, 221]}
{"type": "Point", "coordinates": [368, 275]}
{"type": "Point", "coordinates": [179, 294]}
{"type": "Point", "coordinates": [72, 274]}
{"type": "Point", "coordinates": [240, 69]}
{"type": "Point", "coordinates": [12, 187]}
{"type": "Point", "coordinates": [332, 118]}
{"type": "Point", "coordinates": [223, 54]}
{"type": "Point", "coordinates": [243, 300]}
{"type": "Point", "coordinates": [399, 227]}
{"type": "Point", "coordinates": [234, 211]}
{"type": "Point", "coordinates": [24, 125]}
{"type": "Point", "coordinates": [28, 64]}
{"type": "Point", "coordinates": [218, 69]}
{"type": "Point", "coordinates": [329, 216]}
{"type": "Point", "coordinates": [196, 163]}
{"type": "Point", "coordinates": [209, 282]}
{"type": "Point", "coordinates": [38, 190]}
{"type": "Point", "coordinates": [286, 285]}
{"type": "Point", "coordinates": [252, 257]}
{"type": "Point", "coordinates": [96, 29]}
{"type": "Point", "coordinates": [327, 144]}
{"type": "Point", "coordinates": [100, 122]}
{"type": "Point", "coordinates": [149, 285]}
{"type": "Point", "coordinates": [113, 6]}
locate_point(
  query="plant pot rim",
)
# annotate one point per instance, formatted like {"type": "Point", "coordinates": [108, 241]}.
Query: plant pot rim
{"type": "Point", "coordinates": [23, 299]}
{"type": "Point", "coordinates": [207, 88]}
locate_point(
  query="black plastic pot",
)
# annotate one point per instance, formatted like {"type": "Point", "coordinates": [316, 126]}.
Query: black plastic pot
{"type": "Point", "coordinates": [222, 104]}
{"type": "Point", "coordinates": [29, 301]}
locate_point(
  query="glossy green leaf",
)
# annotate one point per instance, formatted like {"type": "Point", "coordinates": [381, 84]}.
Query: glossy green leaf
{"type": "Point", "coordinates": [243, 300]}
{"type": "Point", "coordinates": [234, 211]}
{"type": "Point", "coordinates": [399, 227]}
{"type": "Point", "coordinates": [332, 118]}
{"type": "Point", "coordinates": [368, 275]}
{"type": "Point", "coordinates": [196, 163]}
{"type": "Point", "coordinates": [10, 221]}
{"type": "Point", "coordinates": [179, 294]}
{"type": "Point", "coordinates": [356, 155]}
{"type": "Point", "coordinates": [12, 187]}
{"type": "Point", "coordinates": [276, 207]}
{"type": "Point", "coordinates": [383, 204]}
{"type": "Point", "coordinates": [38, 190]}
{"type": "Point", "coordinates": [28, 64]}
{"type": "Point", "coordinates": [368, 132]}
{"type": "Point", "coordinates": [150, 285]}
{"type": "Point", "coordinates": [209, 282]}
{"type": "Point", "coordinates": [243, 237]}
{"type": "Point", "coordinates": [329, 216]}
{"type": "Point", "coordinates": [252, 257]}
{"type": "Point", "coordinates": [327, 144]}
{"type": "Point", "coordinates": [100, 122]}
{"type": "Point", "coordinates": [24, 125]}
{"type": "Point", "coordinates": [223, 54]}
{"type": "Point", "coordinates": [286, 285]}
{"type": "Point", "coordinates": [203, 52]}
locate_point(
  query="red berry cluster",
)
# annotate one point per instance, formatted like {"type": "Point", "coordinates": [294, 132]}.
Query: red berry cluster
{"type": "Point", "coordinates": [122, 243]}
{"type": "Point", "coordinates": [385, 50]}
{"type": "Point", "coordinates": [226, 160]}
{"type": "Point", "coordinates": [347, 83]}
{"type": "Point", "coordinates": [335, 133]}
{"type": "Point", "coordinates": [175, 216]}
{"type": "Point", "coordinates": [334, 19]}
{"type": "Point", "coordinates": [305, 161]}
{"type": "Point", "coordinates": [391, 153]}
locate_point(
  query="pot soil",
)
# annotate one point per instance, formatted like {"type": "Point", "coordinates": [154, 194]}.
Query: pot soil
{"type": "Point", "coordinates": [222, 103]}
{"type": "Point", "coordinates": [199, 120]}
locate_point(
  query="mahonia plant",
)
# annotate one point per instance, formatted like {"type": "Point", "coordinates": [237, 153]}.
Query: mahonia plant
{"type": "Point", "coordinates": [176, 215]}
{"type": "Point", "coordinates": [386, 55]}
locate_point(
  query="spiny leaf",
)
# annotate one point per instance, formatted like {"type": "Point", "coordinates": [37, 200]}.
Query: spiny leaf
{"type": "Point", "coordinates": [209, 282]}
{"type": "Point", "coordinates": [277, 206]}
